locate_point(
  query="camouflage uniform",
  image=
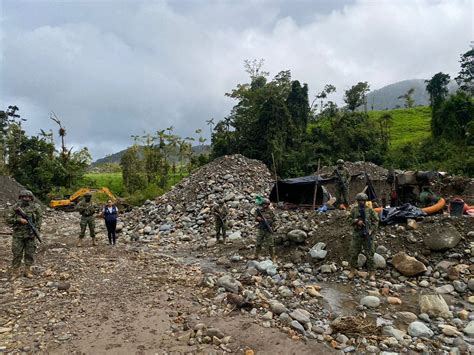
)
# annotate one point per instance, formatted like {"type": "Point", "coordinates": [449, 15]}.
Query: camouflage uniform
{"type": "Point", "coordinates": [24, 241]}
{"type": "Point", "coordinates": [87, 209]}
{"type": "Point", "coordinates": [264, 236]}
{"type": "Point", "coordinates": [220, 213]}
{"type": "Point", "coordinates": [359, 240]}
{"type": "Point", "coordinates": [342, 185]}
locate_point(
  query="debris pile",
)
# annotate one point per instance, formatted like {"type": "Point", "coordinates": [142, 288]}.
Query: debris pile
{"type": "Point", "coordinates": [185, 211]}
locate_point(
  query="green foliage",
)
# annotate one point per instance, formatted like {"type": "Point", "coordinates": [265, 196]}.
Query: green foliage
{"type": "Point", "coordinates": [437, 87]}
{"type": "Point", "coordinates": [134, 177]}
{"type": "Point", "coordinates": [465, 78]}
{"type": "Point", "coordinates": [453, 116]}
{"type": "Point", "coordinates": [357, 95]}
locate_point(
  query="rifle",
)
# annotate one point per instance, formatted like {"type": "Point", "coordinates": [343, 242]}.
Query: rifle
{"type": "Point", "coordinates": [23, 215]}
{"type": "Point", "coordinates": [259, 212]}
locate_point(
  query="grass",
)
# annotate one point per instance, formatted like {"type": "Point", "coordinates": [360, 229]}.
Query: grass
{"type": "Point", "coordinates": [409, 126]}
{"type": "Point", "coordinates": [111, 180]}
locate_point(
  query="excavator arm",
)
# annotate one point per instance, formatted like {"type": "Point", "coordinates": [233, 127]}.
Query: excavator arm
{"type": "Point", "coordinates": [70, 202]}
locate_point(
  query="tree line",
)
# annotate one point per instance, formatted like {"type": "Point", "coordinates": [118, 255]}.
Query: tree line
{"type": "Point", "coordinates": [35, 161]}
{"type": "Point", "coordinates": [274, 121]}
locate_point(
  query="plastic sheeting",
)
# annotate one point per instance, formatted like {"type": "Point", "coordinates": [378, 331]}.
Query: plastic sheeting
{"type": "Point", "coordinates": [300, 190]}
{"type": "Point", "coordinates": [400, 214]}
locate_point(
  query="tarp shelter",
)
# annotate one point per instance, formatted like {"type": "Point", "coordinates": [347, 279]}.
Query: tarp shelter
{"type": "Point", "coordinates": [300, 190]}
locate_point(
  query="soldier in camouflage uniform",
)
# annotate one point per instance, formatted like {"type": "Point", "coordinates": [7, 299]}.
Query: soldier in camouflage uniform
{"type": "Point", "coordinates": [24, 241]}
{"type": "Point", "coordinates": [220, 213]}
{"type": "Point", "coordinates": [343, 178]}
{"type": "Point", "coordinates": [265, 233]}
{"type": "Point", "coordinates": [87, 209]}
{"type": "Point", "coordinates": [364, 220]}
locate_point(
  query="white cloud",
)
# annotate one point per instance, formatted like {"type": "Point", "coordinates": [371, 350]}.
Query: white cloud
{"type": "Point", "coordinates": [115, 69]}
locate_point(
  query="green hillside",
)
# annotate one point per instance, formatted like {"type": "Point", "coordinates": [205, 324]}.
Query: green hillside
{"type": "Point", "coordinates": [410, 125]}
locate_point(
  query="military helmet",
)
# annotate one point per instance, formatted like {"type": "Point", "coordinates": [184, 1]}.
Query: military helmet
{"type": "Point", "coordinates": [26, 193]}
{"type": "Point", "coordinates": [361, 197]}
{"type": "Point", "coordinates": [340, 161]}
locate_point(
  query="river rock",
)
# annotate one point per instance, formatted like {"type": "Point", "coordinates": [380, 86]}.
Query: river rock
{"type": "Point", "coordinates": [301, 315]}
{"type": "Point", "coordinates": [229, 283]}
{"type": "Point", "coordinates": [393, 332]}
{"type": "Point", "coordinates": [442, 238]}
{"type": "Point", "coordinates": [435, 306]}
{"type": "Point", "coordinates": [445, 289]}
{"type": "Point", "coordinates": [237, 235]}
{"type": "Point", "coordinates": [469, 329]}
{"type": "Point", "coordinates": [318, 252]}
{"type": "Point", "coordinates": [361, 260]}
{"type": "Point", "coordinates": [406, 317]}
{"type": "Point", "coordinates": [450, 331]}
{"type": "Point", "coordinates": [285, 318]}
{"type": "Point", "coordinates": [407, 265]}
{"type": "Point", "coordinates": [419, 329]}
{"type": "Point", "coordinates": [459, 286]}
{"type": "Point", "coordinates": [370, 301]}
{"type": "Point", "coordinates": [470, 284]}
{"type": "Point", "coordinates": [297, 236]}
{"type": "Point", "coordinates": [278, 308]}
{"type": "Point", "coordinates": [297, 326]}
{"type": "Point", "coordinates": [379, 261]}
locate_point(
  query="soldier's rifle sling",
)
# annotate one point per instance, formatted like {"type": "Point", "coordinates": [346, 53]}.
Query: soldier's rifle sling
{"type": "Point", "coordinates": [23, 215]}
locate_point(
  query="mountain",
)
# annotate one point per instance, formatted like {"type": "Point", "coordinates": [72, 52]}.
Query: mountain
{"type": "Point", "coordinates": [386, 98]}
{"type": "Point", "coordinates": [115, 158]}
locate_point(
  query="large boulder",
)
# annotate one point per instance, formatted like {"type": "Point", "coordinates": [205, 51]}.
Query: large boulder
{"type": "Point", "coordinates": [407, 265]}
{"type": "Point", "coordinates": [318, 252]}
{"type": "Point", "coordinates": [297, 236]}
{"type": "Point", "coordinates": [229, 283]}
{"type": "Point", "coordinates": [435, 306]}
{"type": "Point", "coordinates": [442, 238]}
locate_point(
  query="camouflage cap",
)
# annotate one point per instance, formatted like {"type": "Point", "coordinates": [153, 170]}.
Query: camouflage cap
{"type": "Point", "coordinates": [340, 161]}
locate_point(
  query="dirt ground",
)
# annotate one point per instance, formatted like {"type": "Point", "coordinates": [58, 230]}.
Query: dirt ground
{"type": "Point", "coordinates": [132, 298]}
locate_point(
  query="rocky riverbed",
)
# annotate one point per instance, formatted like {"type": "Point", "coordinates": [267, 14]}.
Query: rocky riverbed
{"type": "Point", "coordinates": [168, 287]}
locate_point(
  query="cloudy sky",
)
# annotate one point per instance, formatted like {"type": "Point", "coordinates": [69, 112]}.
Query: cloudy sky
{"type": "Point", "coordinates": [110, 69]}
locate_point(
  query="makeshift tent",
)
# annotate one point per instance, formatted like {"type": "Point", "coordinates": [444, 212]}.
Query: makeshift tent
{"type": "Point", "coordinates": [300, 190]}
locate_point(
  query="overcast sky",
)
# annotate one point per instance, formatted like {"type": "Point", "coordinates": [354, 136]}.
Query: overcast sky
{"type": "Point", "coordinates": [110, 69]}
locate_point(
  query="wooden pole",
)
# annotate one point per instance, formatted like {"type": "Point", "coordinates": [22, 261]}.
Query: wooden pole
{"type": "Point", "coordinates": [316, 186]}
{"type": "Point", "coordinates": [276, 178]}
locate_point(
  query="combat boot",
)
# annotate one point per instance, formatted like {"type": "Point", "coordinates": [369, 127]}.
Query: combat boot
{"type": "Point", "coordinates": [94, 242]}
{"type": "Point", "coordinates": [79, 243]}
{"type": "Point", "coordinates": [28, 273]}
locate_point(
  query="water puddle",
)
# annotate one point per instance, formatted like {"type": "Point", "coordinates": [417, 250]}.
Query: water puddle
{"type": "Point", "coordinates": [338, 298]}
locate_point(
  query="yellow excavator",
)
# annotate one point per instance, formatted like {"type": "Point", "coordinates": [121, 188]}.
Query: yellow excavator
{"type": "Point", "coordinates": [69, 202]}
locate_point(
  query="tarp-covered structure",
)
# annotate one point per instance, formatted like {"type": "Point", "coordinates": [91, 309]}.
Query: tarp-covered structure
{"type": "Point", "coordinates": [300, 190]}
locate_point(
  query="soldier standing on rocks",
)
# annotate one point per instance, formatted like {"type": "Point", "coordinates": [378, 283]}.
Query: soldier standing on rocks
{"type": "Point", "coordinates": [364, 220]}
{"type": "Point", "coordinates": [24, 241]}
{"type": "Point", "coordinates": [343, 177]}
{"type": "Point", "coordinates": [220, 213]}
{"type": "Point", "coordinates": [265, 218]}
{"type": "Point", "coordinates": [87, 209]}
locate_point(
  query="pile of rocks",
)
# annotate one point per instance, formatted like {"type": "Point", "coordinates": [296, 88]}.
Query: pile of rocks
{"type": "Point", "coordinates": [185, 211]}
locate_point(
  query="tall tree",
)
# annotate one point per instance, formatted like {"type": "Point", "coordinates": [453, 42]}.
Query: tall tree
{"type": "Point", "coordinates": [465, 78]}
{"type": "Point", "coordinates": [409, 102]}
{"type": "Point", "coordinates": [437, 87]}
{"type": "Point", "coordinates": [298, 106]}
{"type": "Point", "coordinates": [357, 96]}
